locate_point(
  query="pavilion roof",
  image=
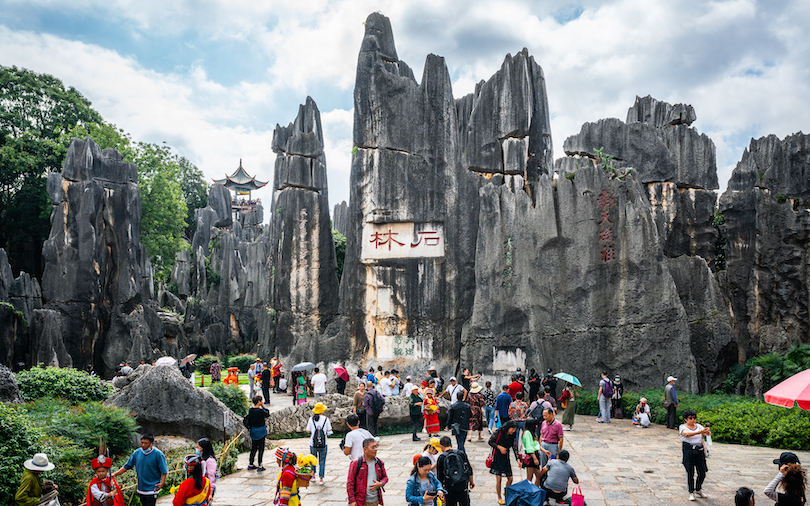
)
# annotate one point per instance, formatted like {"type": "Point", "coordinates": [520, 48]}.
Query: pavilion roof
{"type": "Point", "coordinates": [240, 180]}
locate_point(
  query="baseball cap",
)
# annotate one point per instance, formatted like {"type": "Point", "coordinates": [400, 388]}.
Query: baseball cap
{"type": "Point", "coordinates": [672, 378]}
{"type": "Point", "coordinates": [787, 458]}
{"type": "Point", "coordinates": [408, 378]}
{"type": "Point", "coordinates": [452, 378]}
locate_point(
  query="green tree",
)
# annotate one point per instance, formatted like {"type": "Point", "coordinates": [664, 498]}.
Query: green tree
{"type": "Point", "coordinates": [195, 191]}
{"type": "Point", "coordinates": [340, 251]}
{"type": "Point", "coordinates": [35, 111]}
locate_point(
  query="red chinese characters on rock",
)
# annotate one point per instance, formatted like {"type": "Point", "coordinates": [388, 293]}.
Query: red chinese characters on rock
{"type": "Point", "coordinates": [381, 239]}
{"type": "Point", "coordinates": [604, 202]}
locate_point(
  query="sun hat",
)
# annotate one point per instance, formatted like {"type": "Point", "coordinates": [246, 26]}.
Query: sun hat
{"type": "Point", "coordinates": [39, 463]}
{"type": "Point", "coordinates": [644, 400]}
{"type": "Point", "coordinates": [672, 378]}
{"type": "Point", "coordinates": [787, 458]}
{"type": "Point", "coordinates": [475, 388]}
{"type": "Point", "coordinates": [434, 442]}
{"type": "Point", "coordinates": [319, 408]}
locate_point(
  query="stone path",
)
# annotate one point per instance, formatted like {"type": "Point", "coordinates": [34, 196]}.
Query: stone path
{"type": "Point", "coordinates": [618, 464]}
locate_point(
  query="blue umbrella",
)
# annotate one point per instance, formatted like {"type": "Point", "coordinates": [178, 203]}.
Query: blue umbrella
{"type": "Point", "coordinates": [569, 378]}
{"type": "Point", "coordinates": [524, 493]}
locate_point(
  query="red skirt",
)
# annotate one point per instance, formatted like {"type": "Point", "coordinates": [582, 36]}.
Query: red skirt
{"type": "Point", "coordinates": [432, 423]}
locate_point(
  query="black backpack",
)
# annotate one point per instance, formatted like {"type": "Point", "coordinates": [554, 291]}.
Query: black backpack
{"type": "Point", "coordinates": [454, 473]}
{"type": "Point", "coordinates": [377, 403]}
{"type": "Point", "coordinates": [319, 436]}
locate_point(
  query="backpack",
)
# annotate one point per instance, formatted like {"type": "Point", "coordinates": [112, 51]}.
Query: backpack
{"type": "Point", "coordinates": [607, 390]}
{"type": "Point", "coordinates": [377, 403]}
{"type": "Point", "coordinates": [454, 472]}
{"type": "Point", "coordinates": [319, 436]}
{"type": "Point", "coordinates": [537, 412]}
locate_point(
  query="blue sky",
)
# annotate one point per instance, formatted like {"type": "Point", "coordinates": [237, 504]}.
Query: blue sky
{"type": "Point", "coordinates": [213, 77]}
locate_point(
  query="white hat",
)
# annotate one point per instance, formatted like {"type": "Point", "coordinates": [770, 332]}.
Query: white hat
{"type": "Point", "coordinates": [672, 378]}
{"type": "Point", "coordinates": [452, 378]}
{"type": "Point", "coordinates": [39, 463]}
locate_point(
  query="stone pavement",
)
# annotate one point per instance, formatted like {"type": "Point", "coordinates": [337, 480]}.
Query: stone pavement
{"type": "Point", "coordinates": [617, 464]}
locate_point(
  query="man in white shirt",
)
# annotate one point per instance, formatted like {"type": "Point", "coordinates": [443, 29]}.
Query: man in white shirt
{"type": "Point", "coordinates": [456, 391]}
{"type": "Point", "coordinates": [408, 387]}
{"type": "Point", "coordinates": [353, 443]}
{"type": "Point", "coordinates": [385, 385]}
{"type": "Point", "coordinates": [319, 384]}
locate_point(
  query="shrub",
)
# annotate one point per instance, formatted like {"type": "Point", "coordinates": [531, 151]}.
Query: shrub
{"type": "Point", "coordinates": [18, 442]}
{"type": "Point", "coordinates": [242, 361]}
{"type": "Point", "coordinates": [232, 396]}
{"type": "Point", "coordinates": [70, 384]}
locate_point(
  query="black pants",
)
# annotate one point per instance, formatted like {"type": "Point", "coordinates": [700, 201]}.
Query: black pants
{"type": "Point", "coordinates": [147, 500]}
{"type": "Point", "coordinates": [416, 420]}
{"type": "Point", "coordinates": [265, 393]}
{"type": "Point", "coordinates": [461, 438]}
{"type": "Point", "coordinates": [371, 421]}
{"type": "Point", "coordinates": [460, 498]}
{"type": "Point", "coordinates": [276, 379]}
{"type": "Point", "coordinates": [671, 422]}
{"type": "Point", "coordinates": [696, 461]}
{"type": "Point", "coordinates": [257, 445]}
{"type": "Point", "coordinates": [550, 494]}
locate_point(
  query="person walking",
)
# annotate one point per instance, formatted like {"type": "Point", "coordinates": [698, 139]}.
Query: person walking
{"type": "Point", "coordinates": [255, 422]}
{"type": "Point", "coordinates": [502, 403]}
{"type": "Point", "coordinates": [300, 389]}
{"type": "Point", "coordinates": [150, 468]}
{"type": "Point", "coordinates": [489, 405]}
{"type": "Point", "coordinates": [476, 401]}
{"type": "Point", "coordinates": [408, 388]}
{"type": "Point", "coordinates": [616, 398]}
{"type": "Point", "coordinates": [251, 380]}
{"type": "Point", "coordinates": [287, 493]}
{"type": "Point", "coordinates": [216, 371]}
{"type": "Point", "coordinates": [319, 428]}
{"type": "Point", "coordinates": [694, 456]}
{"type": "Point", "coordinates": [353, 442]}
{"type": "Point", "coordinates": [430, 410]}
{"type": "Point", "coordinates": [415, 411]}
{"type": "Point", "coordinates": [422, 487]}
{"type": "Point", "coordinates": [519, 412]}
{"type": "Point", "coordinates": [374, 404]}
{"type": "Point", "coordinates": [605, 393]}
{"type": "Point", "coordinates": [277, 373]}
{"type": "Point", "coordinates": [568, 401]}
{"type": "Point", "coordinates": [671, 402]}
{"type": "Point", "coordinates": [319, 384]}
{"type": "Point", "coordinates": [367, 477]}
{"type": "Point", "coordinates": [266, 378]}
{"type": "Point", "coordinates": [502, 441]}
{"type": "Point", "coordinates": [455, 473]}
{"type": "Point", "coordinates": [357, 407]}
{"type": "Point", "coordinates": [340, 385]}
{"type": "Point", "coordinates": [458, 422]}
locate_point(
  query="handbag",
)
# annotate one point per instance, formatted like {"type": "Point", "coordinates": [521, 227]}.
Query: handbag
{"type": "Point", "coordinates": [526, 460]}
{"type": "Point", "coordinates": [577, 499]}
{"type": "Point", "coordinates": [490, 457]}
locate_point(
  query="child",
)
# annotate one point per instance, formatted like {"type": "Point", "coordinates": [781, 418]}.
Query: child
{"type": "Point", "coordinates": [209, 460]}
{"type": "Point", "coordinates": [196, 490]}
{"type": "Point", "coordinates": [103, 489]}
{"type": "Point", "coordinates": [32, 486]}
{"type": "Point", "coordinates": [556, 485]}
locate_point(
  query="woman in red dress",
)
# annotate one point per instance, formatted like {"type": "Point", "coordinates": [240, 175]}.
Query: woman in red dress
{"type": "Point", "coordinates": [430, 407]}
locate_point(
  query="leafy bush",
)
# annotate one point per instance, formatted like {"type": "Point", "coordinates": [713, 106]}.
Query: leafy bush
{"type": "Point", "coordinates": [232, 396]}
{"type": "Point", "coordinates": [70, 384]}
{"type": "Point", "coordinates": [776, 367]}
{"type": "Point", "coordinates": [242, 361]}
{"type": "Point", "coordinates": [18, 442]}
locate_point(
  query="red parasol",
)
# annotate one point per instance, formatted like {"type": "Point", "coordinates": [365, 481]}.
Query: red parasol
{"type": "Point", "coordinates": [794, 389]}
{"type": "Point", "coordinates": [341, 371]}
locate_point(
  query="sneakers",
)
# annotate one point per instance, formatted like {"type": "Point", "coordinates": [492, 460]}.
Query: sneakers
{"type": "Point", "coordinates": [701, 494]}
{"type": "Point", "coordinates": [251, 467]}
{"type": "Point", "coordinates": [321, 481]}
{"type": "Point", "coordinates": [416, 439]}
{"type": "Point", "coordinates": [691, 497]}
{"type": "Point", "coordinates": [260, 468]}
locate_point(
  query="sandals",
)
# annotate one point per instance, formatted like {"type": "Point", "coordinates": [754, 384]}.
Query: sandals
{"type": "Point", "coordinates": [501, 501]}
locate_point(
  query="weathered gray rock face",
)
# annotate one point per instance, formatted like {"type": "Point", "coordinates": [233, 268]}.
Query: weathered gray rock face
{"type": "Point", "coordinates": [9, 390]}
{"type": "Point", "coordinates": [19, 297]}
{"type": "Point", "coordinates": [93, 259]}
{"type": "Point", "coordinates": [653, 112]}
{"type": "Point", "coordinates": [181, 273]}
{"type": "Point", "coordinates": [48, 343]}
{"type": "Point", "coordinates": [767, 227]}
{"type": "Point", "coordinates": [340, 217]}
{"type": "Point", "coordinates": [166, 403]}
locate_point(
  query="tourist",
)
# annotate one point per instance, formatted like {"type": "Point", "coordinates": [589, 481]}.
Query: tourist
{"type": "Point", "coordinates": [281, 385]}
{"type": "Point", "coordinates": [551, 437]}
{"type": "Point", "coordinates": [431, 451]}
{"type": "Point", "coordinates": [671, 402]}
{"type": "Point", "coordinates": [358, 408]}
{"type": "Point", "coordinates": [319, 428]}
{"type": "Point", "coordinates": [502, 441]}
{"type": "Point", "coordinates": [476, 401]}
{"type": "Point", "coordinates": [287, 484]}
{"type": "Point", "coordinates": [489, 405]}
{"type": "Point", "coordinates": [514, 387]}
{"type": "Point", "coordinates": [455, 473]}
{"type": "Point", "coordinates": [367, 477]}
{"type": "Point", "coordinates": [205, 450]}
{"type": "Point", "coordinates": [150, 469]}
{"type": "Point", "coordinates": [792, 477]}
{"type": "Point", "coordinates": [549, 398]}
{"type": "Point", "coordinates": [744, 497]}
{"type": "Point", "coordinates": [340, 384]}
{"type": "Point", "coordinates": [378, 375]}
{"type": "Point", "coordinates": [103, 489]}
{"type": "Point", "coordinates": [196, 489]}
{"type": "Point", "coordinates": [467, 379]}
{"type": "Point", "coordinates": [538, 407]}
{"type": "Point", "coordinates": [33, 489]}
{"type": "Point", "coordinates": [370, 376]}
{"type": "Point", "coordinates": [694, 456]}
{"type": "Point", "coordinates": [258, 362]}
{"type": "Point", "coordinates": [430, 410]}
{"type": "Point", "coordinates": [618, 393]}
{"type": "Point", "coordinates": [407, 390]}
{"type": "Point", "coordinates": [604, 395]}
{"type": "Point", "coordinates": [255, 422]}
{"type": "Point", "coordinates": [415, 411]}
{"type": "Point", "coordinates": [300, 389]}
{"type": "Point", "coordinates": [455, 392]}
{"type": "Point", "coordinates": [558, 471]}
{"type": "Point", "coordinates": [216, 371]}
{"type": "Point", "coordinates": [385, 384]}
{"type": "Point", "coordinates": [361, 378]}
{"type": "Point", "coordinates": [422, 488]}
{"type": "Point", "coordinates": [267, 381]}
{"type": "Point", "coordinates": [126, 369]}
{"type": "Point", "coordinates": [642, 415]}
{"type": "Point", "coordinates": [568, 402]}
{"type": "Point", "coordinates": [353, 443]}
{"type": "Point", "coordinates": [277, 374]}
{"type": "Point", "coordinates": [531, 447]}
{"type": "Point", "coordinates": [458, 422]}
{"type": "Point", "coordinates": [440, 383]}
{"type": "Point", "coordinates": [535, 384]}
{"type": "Point", "coordinates": [502, 403]}
{"type": "Point", "coordinates": [251, 374]}
{"type": "Point", "coordinates": [518, 412]}
{"type": "Point", "coordinates": [396, 383]}
{"type": "Point", "coordinates": [550, 381]}
{"type": "Point", "coordinates": [318, 384]}
{"type": "Point", "coordinates": [374, 404]}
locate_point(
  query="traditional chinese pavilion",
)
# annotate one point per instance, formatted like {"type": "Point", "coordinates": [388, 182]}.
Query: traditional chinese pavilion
{"type": "Point", "coordinates": [241, 182]}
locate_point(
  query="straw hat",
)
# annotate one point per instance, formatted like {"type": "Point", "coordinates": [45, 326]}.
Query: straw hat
{"type": "Point", "coordinates": [475, 388]}
{"type": "Point", "coordinates": [39, 463]}
{"type": "Point", "coordinates": [319, 408]}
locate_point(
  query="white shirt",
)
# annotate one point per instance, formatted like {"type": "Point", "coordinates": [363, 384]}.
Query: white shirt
{"type": "Point", "coordinates": [456, 392]}
{"type": "Point", "coordinates": [385, 387]}
{"type": "Point", "coordinates": [696, 439]}
{"type": "Point", "coordinates": [354, 441]}
{"type": "Point", "coordinates": [322, 423]}
{"type": "Point", "coordinates": [319, 383]}
{"type": "Point", "coordinates": [408, 390]}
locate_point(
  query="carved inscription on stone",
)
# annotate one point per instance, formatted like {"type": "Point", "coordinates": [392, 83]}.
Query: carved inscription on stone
{"type": "Point", "coordinates": [404, 348]}
{"type": "Point", "coordinates": [402, 240]}
{"type": "Point", "coordinates": [508, 358]}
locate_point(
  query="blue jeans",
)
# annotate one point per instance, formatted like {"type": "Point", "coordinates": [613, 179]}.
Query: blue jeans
{"type": "Point", "coordinates": [320, 454]}
{"type": "Point", "coordinates": [490, 417]}
{"type": "Point", "coordinates": [604, 407]}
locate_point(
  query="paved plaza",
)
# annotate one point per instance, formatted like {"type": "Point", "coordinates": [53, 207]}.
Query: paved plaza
{"type": "Point", "coordinates": [618, 464]}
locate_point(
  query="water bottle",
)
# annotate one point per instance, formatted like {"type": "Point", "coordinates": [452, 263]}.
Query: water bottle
{"type": "Point", "coordinates": [708, 441]}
